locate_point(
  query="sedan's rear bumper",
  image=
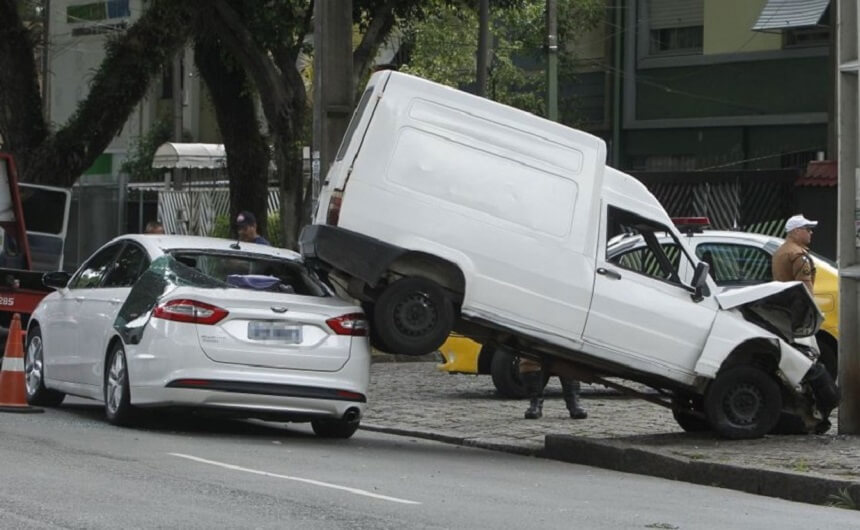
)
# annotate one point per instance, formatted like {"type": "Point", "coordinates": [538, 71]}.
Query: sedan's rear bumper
{"type": "Point", "coordinates": [287, 408]}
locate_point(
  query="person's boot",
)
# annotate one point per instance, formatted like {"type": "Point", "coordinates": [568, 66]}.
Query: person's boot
{"type": "Point", "coordinates": [570, 390]}
{"type": "Point", "coordinates": [534, 390]}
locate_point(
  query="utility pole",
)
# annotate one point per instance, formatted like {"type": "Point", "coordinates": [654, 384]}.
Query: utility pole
{"type": "Point", "coordinates": [483, 47]}
{"type": "Point", "coordinates": [178, 175]}
{"type": "Point", "coordinates": [333, 90]}
{"type": "Point", "coordinates": [848, 133]}
{"type": "Point", "coordinates": [552, 60]}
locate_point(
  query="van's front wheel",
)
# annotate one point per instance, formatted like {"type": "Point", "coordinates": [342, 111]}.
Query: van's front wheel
{"type": "Point", "coordinates": [413, 316]}
{"type": "Point", "coordinates": [743, 402]}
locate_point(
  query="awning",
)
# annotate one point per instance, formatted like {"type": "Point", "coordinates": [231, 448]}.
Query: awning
{"type": "Point", "coordinates": [785, 14]}
{"type": "Point", "coordinates": [821, 173]}
{"type": "Point", "coordinates": [206, 156]}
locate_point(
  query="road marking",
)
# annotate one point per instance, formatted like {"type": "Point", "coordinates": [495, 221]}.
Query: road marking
{"type": "Point", "coordinates": [356, 491]}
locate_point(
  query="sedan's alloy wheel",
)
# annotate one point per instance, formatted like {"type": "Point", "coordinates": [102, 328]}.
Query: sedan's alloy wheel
{"type": "Point", "coordinates": [115, 382]}
{"type": "Point", "coordinates": [33, 366]}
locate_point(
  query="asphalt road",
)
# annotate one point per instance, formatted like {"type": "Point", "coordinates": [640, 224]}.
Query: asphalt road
{"type": "Point", "coordinates": [68, 469]}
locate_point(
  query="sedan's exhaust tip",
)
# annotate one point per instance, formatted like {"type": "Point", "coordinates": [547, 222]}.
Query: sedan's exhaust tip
{"type": "Point", "coordinates": [352, 414]}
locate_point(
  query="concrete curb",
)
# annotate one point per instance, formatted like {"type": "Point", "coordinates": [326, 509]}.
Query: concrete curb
{"type": "Point", "coordinates": [620, 456]}
{"type": "Point", "coordinates": [456, 440]}
{"type": "Point", "coordinates": [628, 458]}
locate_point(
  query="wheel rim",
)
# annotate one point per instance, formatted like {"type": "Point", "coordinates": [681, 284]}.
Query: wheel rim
{"type": "Point", "coordinates": [116, 378]}
{"type": "Point", "coordinates": [743, 404]}
{"type": "Point", "coordinates": [33, 365]}
{"type": "Point", "coordinates": [415, 315]}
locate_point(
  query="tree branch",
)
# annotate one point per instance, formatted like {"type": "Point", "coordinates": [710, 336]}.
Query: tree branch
{"type": "Point", "coordinates": [381, 22]}
{"type": "Point", "coordinates": [120, 83]}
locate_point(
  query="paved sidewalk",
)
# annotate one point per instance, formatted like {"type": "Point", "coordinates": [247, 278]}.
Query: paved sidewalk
{"type": "Point", "coordinates": [621, 433]}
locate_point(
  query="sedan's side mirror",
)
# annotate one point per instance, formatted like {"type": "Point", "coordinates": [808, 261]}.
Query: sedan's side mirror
{"type": "Point", "coordinates": [56, 280]}
{"type": "Point", "coordinates": [700, 281]}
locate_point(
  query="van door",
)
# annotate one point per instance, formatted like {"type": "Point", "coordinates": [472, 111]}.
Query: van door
{"type": "Point", "coordinates": [46, 215]}
{"type": "Point", "coordinates": [641, 311]}
{"type": "Point", "coordinates": [335, 180]}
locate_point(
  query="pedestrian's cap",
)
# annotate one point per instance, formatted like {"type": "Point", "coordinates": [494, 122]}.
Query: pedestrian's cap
{"type": "Point", "coordinates": [245, 218]}
{"type": "Point", "coordinates": [799, 221]}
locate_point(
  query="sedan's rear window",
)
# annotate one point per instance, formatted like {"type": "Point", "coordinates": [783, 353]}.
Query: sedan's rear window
{"type": "Point", "coordinates": [233, 267]}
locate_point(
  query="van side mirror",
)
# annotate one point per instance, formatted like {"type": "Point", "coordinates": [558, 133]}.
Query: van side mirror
{"type": "Point", "coordinates": [56, 280]}
{"type": "Point", "coordinates": [700, 281]}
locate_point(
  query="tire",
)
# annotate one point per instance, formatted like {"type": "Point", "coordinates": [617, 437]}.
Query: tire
{"type": "Point", "coordinates": [413, 316]}
{"type": "Point", "coordinates": [375, 340]}
{"type": "Point", "coordinates": [341, 429]}
{"type": "Point", "coordinates": [117, 395]}
{"type": "Point", "coordinates": [505, 370]}
{"type": "Point", "coordinates": [34, 373]}
{"type": "Point", "coordinates": [743, 402]}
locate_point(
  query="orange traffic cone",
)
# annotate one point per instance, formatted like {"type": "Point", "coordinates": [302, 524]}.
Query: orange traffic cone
{"type": "Point", "coordinates": [13, 392]}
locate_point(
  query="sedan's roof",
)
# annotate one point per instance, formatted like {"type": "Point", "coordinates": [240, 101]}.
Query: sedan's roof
{"type": "Point", "coordinates": [166, 243]}
{"type": "Point", "coordinates": [730, 234]}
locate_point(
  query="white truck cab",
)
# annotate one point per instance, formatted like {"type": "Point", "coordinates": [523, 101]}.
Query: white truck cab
{"type": "Point", "coordinates": [445, 211]}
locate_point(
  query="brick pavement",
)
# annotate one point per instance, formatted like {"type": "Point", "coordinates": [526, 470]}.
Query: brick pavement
{"type": "Point", "coordinates": [416, 398]}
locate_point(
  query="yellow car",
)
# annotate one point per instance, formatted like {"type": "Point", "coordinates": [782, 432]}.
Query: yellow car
{"type": "Point", "coordinates": [736, 259]}
{"type": "Point", "coordinates": [465, 356]}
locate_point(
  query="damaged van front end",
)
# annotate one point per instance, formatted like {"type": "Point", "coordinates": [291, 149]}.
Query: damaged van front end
{"type": "Point", "coordinates": [774, 323]}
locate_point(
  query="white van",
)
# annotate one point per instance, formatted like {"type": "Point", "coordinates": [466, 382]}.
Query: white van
{"type": "Point", "coordinates": [445, 211]}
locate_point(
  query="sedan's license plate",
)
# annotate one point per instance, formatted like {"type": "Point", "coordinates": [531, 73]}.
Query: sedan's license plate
{"type": "Point", "coordinates": [276, 331]}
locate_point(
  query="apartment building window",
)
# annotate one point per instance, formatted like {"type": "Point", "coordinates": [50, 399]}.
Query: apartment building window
{"type": "Point", "coordinates": [94, 18]}
{"type": "Point", "coordinates": [675, 26]}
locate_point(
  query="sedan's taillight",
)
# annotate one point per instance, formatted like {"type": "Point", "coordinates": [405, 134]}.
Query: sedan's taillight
{"type": "Point", "coordinates": [354, 324]}
{"type": "Point", "coordinates": [333, 213]}
{"type": "Point", "coordinates": [192, 311]}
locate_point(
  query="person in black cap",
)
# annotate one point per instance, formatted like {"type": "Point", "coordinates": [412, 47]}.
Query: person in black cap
{"type": "Point", "coordinates": [246, 225]}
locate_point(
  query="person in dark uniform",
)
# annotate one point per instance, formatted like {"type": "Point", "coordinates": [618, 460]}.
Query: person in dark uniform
{"type": "Point", "coordinates": [246, 225]}
{"type": "Point", "coordinates": [532, 378]}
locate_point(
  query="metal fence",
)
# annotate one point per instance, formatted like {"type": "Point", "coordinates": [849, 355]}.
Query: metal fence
{"type": "Point", "coordinates": [194, 212]}
{"type": "Point", "coordinates": [731, 202]}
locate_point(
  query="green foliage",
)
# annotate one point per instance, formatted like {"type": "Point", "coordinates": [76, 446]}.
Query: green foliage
{"type": "Point", "coordinates": [138, 166]}
{"type": "Point", "coordinates": [444, 46]}
{"type": "Point", "coordinates": [843, 499]}
{"type": "Point", "coordinates": [275, 235]}
{"type": "Point", "coordinates": [223, 229]}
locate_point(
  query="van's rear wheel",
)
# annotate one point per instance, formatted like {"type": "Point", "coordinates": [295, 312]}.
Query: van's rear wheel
{"type": "Point", "coordinates": [743, 402]}
{"type": "Point", "coordinates": [375, 340]}
{"type": "Point", "coordinates": [413, 316]}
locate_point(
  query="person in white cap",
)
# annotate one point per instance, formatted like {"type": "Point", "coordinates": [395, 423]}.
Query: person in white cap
{"type": "Point", "coordinates": [791, 261]}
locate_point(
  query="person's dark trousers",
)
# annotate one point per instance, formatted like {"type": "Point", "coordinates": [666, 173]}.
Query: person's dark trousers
{"type": "Point", "coordinates": [570, 390]}
{"type": "Point", "coordinates": [533, 382]}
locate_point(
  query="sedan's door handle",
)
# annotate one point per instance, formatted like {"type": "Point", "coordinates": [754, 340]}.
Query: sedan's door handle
{"type": "Point", "coordinates": [79, 299]}
{"type": "Point", "coordinates": [115, 301]}
{"type": "Point", "coordinates": [609, 273]}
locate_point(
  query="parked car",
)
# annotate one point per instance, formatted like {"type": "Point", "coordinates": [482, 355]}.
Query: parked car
{"type": "Point", "coordinates": [242, 330]}
{"type": "Point", "coordinates": [448, 212]}
{"type": "Point", "coordinates": [736, 259]}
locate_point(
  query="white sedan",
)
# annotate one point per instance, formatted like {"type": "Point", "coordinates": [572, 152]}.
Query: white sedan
{"type": "Point", "coordinates": [204, 323]}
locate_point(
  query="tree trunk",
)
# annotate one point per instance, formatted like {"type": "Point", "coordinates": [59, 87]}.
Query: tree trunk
{"type": "Point", "coordinates": [282, 95]}
{"type": "Point", "coordinates": [247, 152]}
{"type": "Point", "coordinates": [22, 125]}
